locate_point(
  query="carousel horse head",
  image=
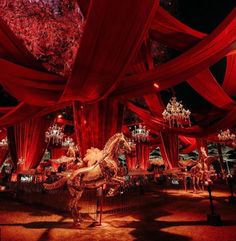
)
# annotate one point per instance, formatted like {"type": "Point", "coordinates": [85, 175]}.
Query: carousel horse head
{"type": "Point", "coordinates": [117, 145]}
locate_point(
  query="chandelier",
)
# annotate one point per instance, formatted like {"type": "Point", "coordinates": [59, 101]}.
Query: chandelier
{"type": "Point", "coordinates": [140, 134]}
{"type": "Point", "coordinates": [226, 136]}
{"type": "Point", "coordinates": [54, 133]}
{"type": "Point", "coordinates": [175, 114]}
{"type": "Point", "coordinates": [4, 142]}
{"type": "Point", "coordinates": [68, 141]}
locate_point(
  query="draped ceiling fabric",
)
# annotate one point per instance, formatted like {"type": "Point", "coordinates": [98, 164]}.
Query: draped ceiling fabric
{"type": "Point", "coordinates": [109, 49]}
{"type": "Point", "coordinates": [96, 123]}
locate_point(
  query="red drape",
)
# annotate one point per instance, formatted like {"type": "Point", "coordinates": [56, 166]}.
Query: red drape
{"type": "Point", "coordinates": [170, 149]}
{"type": "Point", "coordinates": [31, 86]}
{"type": "Point", "coordinates": [206, 85]}
{"type": "Point", "coordinates": [157, 124]}
{"type": "Point", "coordinates": [131, 161]}
{"type": "Point", "coordinates": [3, 150]}
{"type": "Point", "coordinates": [207, 52]}
{"type": "Point", "coordinates": [191, 144]}
{"type": "Point", "coordinates": [12, 49]}
{"type": "Point", "coordinates": [97, 72]}
{"type": "Point", "coordinates": [168, 30]}
{"type": "Point", "coordinates": [96, 123]}
{"type": "Point", "coordinates": [229, 84]}
{"type": "Point", "coordinates": [29, 140]}
{"type": "Point", "coordinates": [142, 153]}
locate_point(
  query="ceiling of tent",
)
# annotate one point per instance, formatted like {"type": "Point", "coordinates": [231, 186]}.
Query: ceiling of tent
{"type": "Point", "coordinates": [200, 15]}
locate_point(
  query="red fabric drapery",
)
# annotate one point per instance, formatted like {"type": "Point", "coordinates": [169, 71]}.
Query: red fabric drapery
{"type": "Point", "coordinates": [170, 149]}
{"type": "Point", "coordinates": [168, 30]}
{"type": "Point", "coordinates": [12, 49]}
{"type": "Point", "coordinates": [142, 153]}
{"type": "Point", "coordinates": [96, 123]}
{"type": "Point", "coordinates": [31, 86]}
{"type": "Point", "coordinates": [112, 48]}
{"type": "Point", "coordinates": [206, 85]}
{"type": "Point", "coordinates": [213, 43]}
{"type": "Point", "coordinates": [3, 150]}
{"type": "Point", "coordinates": [97, 72]}
{"type": "Point", "coordinates": [29, 140]}
{"type": "Point", "coordinates": [191, 144]}
{"type": "Point", "coordinates": [131, 161]}
{"type": "Point", "coordinates": [105, 64]}
{"type": "Point", "coordinates": [157, 124]}
{"type": "Point", "coordinates": [207, 52]}
{"type": "Point", "coordinates": [229, 84]}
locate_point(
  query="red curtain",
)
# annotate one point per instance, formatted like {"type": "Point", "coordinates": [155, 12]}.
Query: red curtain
{"type": "Point", "coordinates": [96, 123]}
{"type": "Point", "coordinates": [142, 153]}
{"type": "Point", "coordinates": [27, 141]}
{"type": "Point", "coordinates": [170, 149]}
{"type": "Point", "coordinates": [3, 150]}
{"type": "Point", "coordinates": [131, 160]}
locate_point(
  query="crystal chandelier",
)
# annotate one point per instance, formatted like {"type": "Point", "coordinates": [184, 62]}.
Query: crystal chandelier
{"type": "Point", "coordinates": [68, 141]}
{"type": "Point", "coordinates": [175, 114]}
{"type": "Point", "coordinates": [140, 134]}
{"type": "Point", "coordinates": [54, 133]}
{"type": "Point", "coordinates": [226, 136]}
{"type": "Point", "coordinates": [4, 142]}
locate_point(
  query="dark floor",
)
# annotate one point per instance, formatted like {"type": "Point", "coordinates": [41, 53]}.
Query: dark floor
{"type": "Point", "coordinates": [176, 216]}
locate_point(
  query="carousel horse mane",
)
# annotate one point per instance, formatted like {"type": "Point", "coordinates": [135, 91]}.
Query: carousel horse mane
{"type": "Point", "coordinates": [92, 156]}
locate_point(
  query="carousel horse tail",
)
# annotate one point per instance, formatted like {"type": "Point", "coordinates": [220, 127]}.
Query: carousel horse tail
{"type": "Point", "coordinates": [56, 184]}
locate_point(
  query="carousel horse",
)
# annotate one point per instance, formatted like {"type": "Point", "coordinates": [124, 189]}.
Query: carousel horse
{"type": "Point", "coordinates": [102, 169]}
{"type": "Point", "coordinates": [200, 172]}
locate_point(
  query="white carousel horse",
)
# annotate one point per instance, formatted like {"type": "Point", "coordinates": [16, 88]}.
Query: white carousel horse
{"type": "Point", "coordinates": [103, 170]}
